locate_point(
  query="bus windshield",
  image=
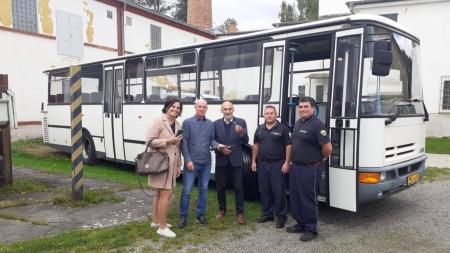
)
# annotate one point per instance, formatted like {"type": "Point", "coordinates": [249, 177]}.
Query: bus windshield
{"type": "Point", "coordinates": [400, 92]}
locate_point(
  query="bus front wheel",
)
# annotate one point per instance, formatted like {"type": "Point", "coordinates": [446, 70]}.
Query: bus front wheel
{"type": "Point", "coordinates": [88, 149]}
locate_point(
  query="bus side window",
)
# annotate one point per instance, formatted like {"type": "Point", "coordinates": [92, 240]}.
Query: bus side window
{"type": "Point", "coordinates": [134, 80]}
{"type": "Point", "coordinates": [231, 72]}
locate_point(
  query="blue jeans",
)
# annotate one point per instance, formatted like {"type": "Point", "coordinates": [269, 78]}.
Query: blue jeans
{"type": "Point", "coordinates": [202, 171]}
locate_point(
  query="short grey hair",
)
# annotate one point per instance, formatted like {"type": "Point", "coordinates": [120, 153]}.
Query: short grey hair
{"type": "Point", "coordinates": [197, 101]}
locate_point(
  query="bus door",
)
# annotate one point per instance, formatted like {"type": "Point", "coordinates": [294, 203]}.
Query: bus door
{"type": "Point", "coordinates": [344, 123]}
{"type": "Point", "coordinates": [271, 77]}
{"type": "Point", "coordinates": [112, 112]}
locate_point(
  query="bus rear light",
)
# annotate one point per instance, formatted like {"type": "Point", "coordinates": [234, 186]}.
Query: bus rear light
{"type": "Point", "coordinates": [369, 177]}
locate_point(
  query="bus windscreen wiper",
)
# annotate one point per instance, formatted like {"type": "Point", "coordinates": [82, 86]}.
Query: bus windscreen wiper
{"type": "Point", "coordinates": [392, 118]}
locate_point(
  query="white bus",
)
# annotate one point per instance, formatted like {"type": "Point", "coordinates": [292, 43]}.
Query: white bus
{"type": "Point", "coordinates": [363, 71]}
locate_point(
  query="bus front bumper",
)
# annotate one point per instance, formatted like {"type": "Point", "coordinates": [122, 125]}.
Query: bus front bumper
{"type": "Point", "coordinates": [397, 177]}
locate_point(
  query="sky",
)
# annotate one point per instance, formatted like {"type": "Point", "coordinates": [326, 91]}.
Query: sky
{"type": "Point", "coordinates": [260, 14]}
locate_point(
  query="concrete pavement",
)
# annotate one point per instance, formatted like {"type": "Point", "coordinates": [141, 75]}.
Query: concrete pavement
{"type": "Point", "coordinates": [135, 207]}
{"type": "Point", "coordinates": [438, 161]}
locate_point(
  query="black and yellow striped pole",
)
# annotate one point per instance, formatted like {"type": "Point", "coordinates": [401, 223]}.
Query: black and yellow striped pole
{"type": "Point", "coordinates": [76, 132]}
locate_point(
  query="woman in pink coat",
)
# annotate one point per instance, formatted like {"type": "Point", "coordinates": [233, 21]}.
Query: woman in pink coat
{"type": "Point", "coordinates": [162, 133]}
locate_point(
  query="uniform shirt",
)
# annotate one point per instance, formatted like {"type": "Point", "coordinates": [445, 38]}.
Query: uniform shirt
{"type": "Point", "coordinates": [308, 137]}
{"type": "Point", "coordinates": [272, 142]}
{"type": "Point", "coordinates": [198, 137]}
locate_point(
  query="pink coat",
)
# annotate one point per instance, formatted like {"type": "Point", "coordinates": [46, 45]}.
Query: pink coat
{"type": "Point", "coordinates": [160, 131]}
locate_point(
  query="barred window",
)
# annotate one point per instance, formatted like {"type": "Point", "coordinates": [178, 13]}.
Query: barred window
{"type": "Point", "coordinates": [25, 15]}
{"type": "Point", "coordinates": [319, 93]}
{"type": "Point", "coordinates": [446, 95]}
{"type": "Point", "coordinates": [109, 14]}
{"type": "Point", "coordinates": [129, 21]}
{"type": "Point", "coordinates": [155, 37]}
{"type": "Point", "coordinates": [301, 91]}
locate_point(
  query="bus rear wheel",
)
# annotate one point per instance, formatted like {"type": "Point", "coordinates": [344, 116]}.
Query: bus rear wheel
{"type": "Point", "coordinates": [88, 149]}
{"type": "Point", "coordinates": [251, 190]}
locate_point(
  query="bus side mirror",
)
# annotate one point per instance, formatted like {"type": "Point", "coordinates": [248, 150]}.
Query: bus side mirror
{"type": "Point", "coordinates": [382, 58]}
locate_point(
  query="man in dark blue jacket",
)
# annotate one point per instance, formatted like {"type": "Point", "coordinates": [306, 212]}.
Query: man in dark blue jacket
{"type": "Point", "coordinates": [232, 133]}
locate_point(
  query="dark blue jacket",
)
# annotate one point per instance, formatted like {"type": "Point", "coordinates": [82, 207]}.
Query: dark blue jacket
{"type": "Point", "coordinates": [233, 140]}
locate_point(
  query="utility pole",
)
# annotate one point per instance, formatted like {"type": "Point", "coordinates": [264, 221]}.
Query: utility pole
{"type": "Point", "coordinates": [5, 134]}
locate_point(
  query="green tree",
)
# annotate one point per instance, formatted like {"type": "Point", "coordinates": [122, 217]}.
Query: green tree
{"type": "Point", "coordinates": [288, 13]}
{"type": "Point", "coordinates": [225, 26]}
{"type": "Point", "coordinates": [179, 11]}
{"type": "Point", "coordinates": [308, 10]}
{"type": "Point", "coordinates": [159, 6]}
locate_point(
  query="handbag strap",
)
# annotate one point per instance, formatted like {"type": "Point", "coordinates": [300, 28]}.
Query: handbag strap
{"type": "Point", "coordinates": [147, 146]}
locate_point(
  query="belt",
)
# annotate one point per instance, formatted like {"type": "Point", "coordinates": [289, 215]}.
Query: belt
{"type": "Point", "coordinates": [307, 164]}
{"type": "Point", "coordinates": [271, 160]}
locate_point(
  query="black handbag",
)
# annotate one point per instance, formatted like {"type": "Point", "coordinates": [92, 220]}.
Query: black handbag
{"type": "Point", "coordinates": [151, 161]}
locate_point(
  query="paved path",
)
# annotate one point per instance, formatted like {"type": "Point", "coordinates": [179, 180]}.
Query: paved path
{"type": "Point", "coordinates": [438, 161]}
{"type": "Point", "coordinates": [135, 207]}
{"type": "Point", "coordinates": [26, 132]}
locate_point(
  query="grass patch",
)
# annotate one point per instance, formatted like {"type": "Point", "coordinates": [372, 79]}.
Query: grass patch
{"type": "Point", "coordinates": [436, 174]}
{"type": "Point", "coordinates": [133, 236]}
{"type": "Point", "coordinates": [24, 186]}
{"type": "Point", "coordinates": [30, 154]}
{"type": "Point", "coordinates": [90, 197]}
{"type": "Point", "coordinates": [16, 203]}
{"type": "Point", "coordinates": [12, 216]}
{"type": "Point", "coordinates": [438, 145]}
{"type": "Point", "coordinates": [138, 236]}
{"type": "Point", "coordinates": [84, 240]}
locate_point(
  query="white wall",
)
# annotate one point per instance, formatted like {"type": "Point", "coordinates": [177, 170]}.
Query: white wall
{"type": "Point", "coordinates": [24, 57]}
{"type": "Point", "coordinates": [104, 29]}
{"type": "Point", "coordinates": [430, 21]}
{"type": "Point", "coordinates": [137, 36]}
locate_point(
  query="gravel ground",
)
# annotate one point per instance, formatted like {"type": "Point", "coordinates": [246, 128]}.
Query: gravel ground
{"type": "Point", "coordinates": [416, 220]}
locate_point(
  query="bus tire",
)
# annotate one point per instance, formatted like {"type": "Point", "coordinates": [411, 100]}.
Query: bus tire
{"type": "Point", "coordinates": [88, 149]}
{"type": "Point", "coordinates": [251, 190]}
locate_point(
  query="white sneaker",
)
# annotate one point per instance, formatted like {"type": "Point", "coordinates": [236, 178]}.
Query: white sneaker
{"type": "Point", "coordinates": [166, 232]}
{"type": "Point", "coordinates": [156, 225]}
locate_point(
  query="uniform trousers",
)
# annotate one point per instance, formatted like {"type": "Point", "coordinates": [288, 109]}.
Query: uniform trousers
{"type": "Point", "coordinates": [304, 188]}
{"type": "Point", "coordinates": [272, 188]}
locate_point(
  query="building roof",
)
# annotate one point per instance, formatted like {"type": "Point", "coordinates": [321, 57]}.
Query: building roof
{"type": "Point", "coordinates": [162, 18]}
{"type": "Point", "coordinates": [361, 2]}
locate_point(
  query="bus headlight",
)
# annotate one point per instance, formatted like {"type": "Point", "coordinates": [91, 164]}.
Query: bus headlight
{"type": "Point", "coordinates": [369, 177]}
{"type": "Point", "coordinates": [383, 176]}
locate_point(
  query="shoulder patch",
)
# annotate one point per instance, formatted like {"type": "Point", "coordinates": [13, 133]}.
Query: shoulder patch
{"type": "Point", "coordinates": [323, 132]}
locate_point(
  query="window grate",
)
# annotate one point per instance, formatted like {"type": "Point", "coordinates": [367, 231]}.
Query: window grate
{"type": "Point", "coordinates": [446, 95]}
{"type": "Point", "coordinates": [25, 15]}
{"type": "Point", "coordinates": [109, 14]}
{"type": "Point", "coordinates": [155, 37]}
{"type": "Point", "coordinates": [129, 21]}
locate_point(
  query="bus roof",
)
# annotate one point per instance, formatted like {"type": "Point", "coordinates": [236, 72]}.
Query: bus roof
{"type": "Point", "coordinates": [358, 18]}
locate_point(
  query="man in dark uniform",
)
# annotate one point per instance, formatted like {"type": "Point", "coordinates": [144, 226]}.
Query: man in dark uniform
{"type": "Point", "coordinates": [232, 133]}
{"type": "Point", "coordinates": [271, 155]}
{"type": "Point", "coordinates": [310, 147]}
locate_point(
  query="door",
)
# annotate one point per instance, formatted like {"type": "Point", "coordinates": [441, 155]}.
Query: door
{"type": "Point", "coordinates": [271, 78]}
{"type": "Point", "coordinates": [112, 112]}
{"type": "Point", "coordinates": [343, 168]}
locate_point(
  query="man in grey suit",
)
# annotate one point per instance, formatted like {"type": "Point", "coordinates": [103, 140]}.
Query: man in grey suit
{"type": "Point", "coordinates": [232, 133]}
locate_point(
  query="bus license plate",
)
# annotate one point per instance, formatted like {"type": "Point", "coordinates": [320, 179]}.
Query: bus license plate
{"type": "Point", "coordinates": [412, 179]}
